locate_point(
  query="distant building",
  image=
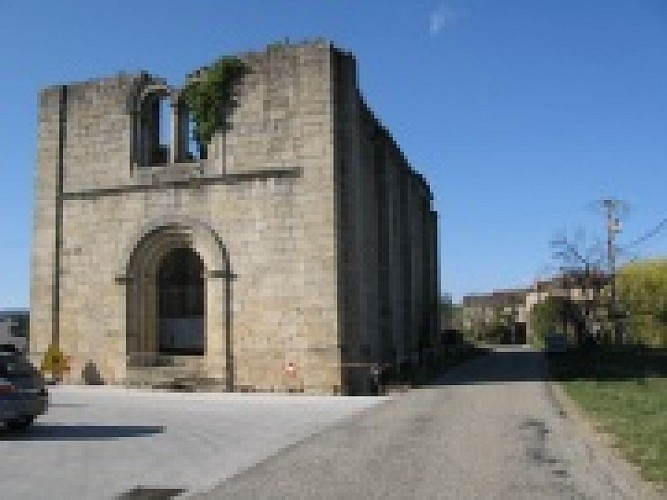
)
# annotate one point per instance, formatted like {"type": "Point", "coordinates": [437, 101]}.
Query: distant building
{"type": "Point", "coordinates": [501, 307]}
{"type": "Point", "coordinates": [512, 307]}
{"type": "Point", "coordinates": [15, 328]}
{"type": "Point", "coordinates": [578, 286]}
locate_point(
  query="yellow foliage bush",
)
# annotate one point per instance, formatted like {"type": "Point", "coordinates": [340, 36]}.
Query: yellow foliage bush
{"type": "Point", "coordinates": [55, 362]}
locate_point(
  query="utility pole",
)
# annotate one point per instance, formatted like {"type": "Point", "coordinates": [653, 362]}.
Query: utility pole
{"type": "Point", "coordinates": [613, 227]}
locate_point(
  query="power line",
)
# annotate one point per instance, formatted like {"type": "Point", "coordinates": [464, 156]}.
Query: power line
{"type": "Point", "coordinates": [648, 234]}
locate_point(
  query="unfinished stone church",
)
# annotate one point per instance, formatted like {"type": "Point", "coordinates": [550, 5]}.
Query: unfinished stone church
{"type": "Point", "coordinates": [299, 252]}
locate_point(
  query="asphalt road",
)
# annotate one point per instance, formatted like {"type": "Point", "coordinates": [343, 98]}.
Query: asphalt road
{"type": "Point", "coordinates": [489, 429]}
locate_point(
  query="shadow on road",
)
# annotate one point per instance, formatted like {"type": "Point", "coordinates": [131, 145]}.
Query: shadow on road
{"type": "Point", "coordinates": [516, 364]}
{"type": "Point", "coordinates": [55, 432]}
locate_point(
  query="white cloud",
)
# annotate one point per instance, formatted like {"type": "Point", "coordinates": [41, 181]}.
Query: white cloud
{"type": "Point", "coordinates": [443, 16]}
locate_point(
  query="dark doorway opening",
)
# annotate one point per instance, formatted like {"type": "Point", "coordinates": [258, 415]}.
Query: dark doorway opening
{"type": "Point", "coordinates": [181, 303]}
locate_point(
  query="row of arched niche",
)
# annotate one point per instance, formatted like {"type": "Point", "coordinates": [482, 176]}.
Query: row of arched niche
{"type": "Point", "coordinates": [161, 126]}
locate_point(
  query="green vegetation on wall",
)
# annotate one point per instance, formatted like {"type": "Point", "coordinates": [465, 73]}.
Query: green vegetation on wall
{"type": "Point", "coordinates": [208, 94]}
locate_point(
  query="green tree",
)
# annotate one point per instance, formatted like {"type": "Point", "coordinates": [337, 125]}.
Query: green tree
{"type": "Point", "coordinates": [450, 313]}
{"type": "Point", "coordinates": [556, 315]}
{"type": "Point", "coordinates": [641, 290]}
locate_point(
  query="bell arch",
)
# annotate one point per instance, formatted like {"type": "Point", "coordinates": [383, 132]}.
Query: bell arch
{"type": "Point", "coordinates": [156, 107]}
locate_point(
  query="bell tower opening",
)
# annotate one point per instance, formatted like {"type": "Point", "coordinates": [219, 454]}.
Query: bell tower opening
{"type": "Point", "coordinates": [196, 151]}
{"type": "Point", "coordinates": [155, 126]}
{"type": "Point", "coordinates": [181, 304]}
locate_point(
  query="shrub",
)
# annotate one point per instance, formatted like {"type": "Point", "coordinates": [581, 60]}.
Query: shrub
{"type": "Point", "coordinates": [55, 362]}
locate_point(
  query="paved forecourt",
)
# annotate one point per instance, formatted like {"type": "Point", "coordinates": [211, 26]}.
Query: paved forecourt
{"type": "Point", "coordinates": [99, 442]}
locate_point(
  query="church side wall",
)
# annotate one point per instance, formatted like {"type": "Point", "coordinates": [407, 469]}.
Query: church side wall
{"type": "Point", "coordinates": [355, 349]}
{"type": "Point", "coordinates": [385, 239]}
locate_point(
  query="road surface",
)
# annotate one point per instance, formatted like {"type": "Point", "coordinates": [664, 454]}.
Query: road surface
{"type": "Point", "coordinates": [489, 429]}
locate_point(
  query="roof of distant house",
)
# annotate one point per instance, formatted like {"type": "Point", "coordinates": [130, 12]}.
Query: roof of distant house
{"type": "Point", "coordinates": [12, 313]}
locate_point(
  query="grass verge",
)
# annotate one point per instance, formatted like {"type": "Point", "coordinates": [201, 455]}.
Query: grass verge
{"type": "Point", "coordinates": [625, 391]}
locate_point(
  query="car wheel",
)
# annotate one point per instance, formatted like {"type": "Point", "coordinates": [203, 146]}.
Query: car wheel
{"type": "Point", "coordinates": [20, 424]}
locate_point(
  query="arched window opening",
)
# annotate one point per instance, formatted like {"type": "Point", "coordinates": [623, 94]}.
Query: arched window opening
{"type": "Point", "coordinates": [195, 151]}
{"type": "Point", "coordinates": [165, 128]}
{"type": "Point", "coordinates": [155, 129]}
{"type": "Point", "coordinates": [181, 303]}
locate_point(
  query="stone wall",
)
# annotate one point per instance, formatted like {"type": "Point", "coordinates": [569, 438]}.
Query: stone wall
{"type": "Point", "coordinates": [387, 240]}
{"type": "Point", "coordinates": [295, 213]}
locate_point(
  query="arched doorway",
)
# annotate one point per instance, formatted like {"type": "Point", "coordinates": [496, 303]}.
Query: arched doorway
{"type": "Point", "coordinates": [181, 303]}
{"type": "Point", "coordinates": [178, 284]}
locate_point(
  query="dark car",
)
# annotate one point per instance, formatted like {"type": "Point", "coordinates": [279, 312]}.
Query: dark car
{"type": "Point", "coordinates": [555, 343]}
{"type": "Point", "coordinates": [23, 394]}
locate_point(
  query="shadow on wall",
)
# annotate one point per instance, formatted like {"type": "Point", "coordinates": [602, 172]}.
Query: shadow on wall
{"type": "Point", "coordinates": [91, 375]}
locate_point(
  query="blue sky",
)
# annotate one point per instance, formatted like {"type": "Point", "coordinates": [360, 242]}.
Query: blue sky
{"type": "Point", "coordinates": [521, 113]}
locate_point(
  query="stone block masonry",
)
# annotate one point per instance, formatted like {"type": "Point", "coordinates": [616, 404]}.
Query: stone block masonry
{"type": "Point", "coordinates": [300, 251]}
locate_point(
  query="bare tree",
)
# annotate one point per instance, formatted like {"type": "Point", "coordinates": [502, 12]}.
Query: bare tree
{"type": "Point", "coordinates": [581, 267]}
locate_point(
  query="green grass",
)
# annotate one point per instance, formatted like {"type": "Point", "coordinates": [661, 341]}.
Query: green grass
{"type": "Point", "coordinates": [627, 395]}
{"type": "Point", "coordinates": [635, 413]}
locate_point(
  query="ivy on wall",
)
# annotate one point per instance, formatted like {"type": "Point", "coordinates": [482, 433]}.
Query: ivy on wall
{"type": "Point", "coordinates": [208, 93]}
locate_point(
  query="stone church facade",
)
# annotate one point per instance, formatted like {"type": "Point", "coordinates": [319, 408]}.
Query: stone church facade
{"type": "Point", "coordinates": [300, 252]}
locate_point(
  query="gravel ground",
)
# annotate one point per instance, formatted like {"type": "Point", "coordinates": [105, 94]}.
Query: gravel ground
{"type": "Point", "coordinates": [489, 429]}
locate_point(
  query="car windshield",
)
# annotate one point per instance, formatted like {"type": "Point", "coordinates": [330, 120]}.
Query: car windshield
{"type": "Point", "coordinates": [12, 366]}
